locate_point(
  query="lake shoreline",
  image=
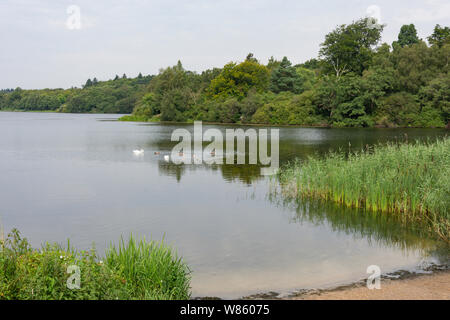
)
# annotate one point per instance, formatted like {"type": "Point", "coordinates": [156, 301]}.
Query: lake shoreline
{"type": "Point", "coordinates": [408, 286]}
{"type": "Point", "coordinates": [397, 285]}
{"type": "Point", "coordinates": [318, 126]}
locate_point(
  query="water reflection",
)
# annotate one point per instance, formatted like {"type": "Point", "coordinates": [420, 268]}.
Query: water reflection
{"type": "Point", "coordinates": [245, 174]}
{"type": "Point", "coordinates": [376, 228]}
{"type": "Point", "coordinates": [295, 143]}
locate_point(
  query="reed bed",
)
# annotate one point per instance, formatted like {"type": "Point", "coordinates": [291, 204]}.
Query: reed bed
{"type": "Point", "coordinates": [152, 270]}
{"type": "Point", "coordinates": [409, 180]}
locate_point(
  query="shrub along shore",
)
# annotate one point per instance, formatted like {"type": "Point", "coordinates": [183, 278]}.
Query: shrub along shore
{"type": "Point", "coordinates": [408, 180]}
{"type": "Point", "coordinates": [135, 269]}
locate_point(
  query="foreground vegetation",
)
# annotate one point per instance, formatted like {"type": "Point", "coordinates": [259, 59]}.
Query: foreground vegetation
{"type": "Point", "coordinates": [408, 180]}
{"type": "Point", "coordinates": [356, 81]}
{"type": "Point", "coordinates": [133, 270]}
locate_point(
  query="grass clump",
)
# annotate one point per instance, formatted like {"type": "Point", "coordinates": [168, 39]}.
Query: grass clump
{"type": "Point", "coordinates": [151, 269]}
{"type": "Point", "coordinates": [410, 180]}
{"type": "Point", "coordinates": [30, 274]}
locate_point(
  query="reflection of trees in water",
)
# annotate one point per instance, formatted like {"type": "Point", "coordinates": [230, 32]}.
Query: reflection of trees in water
{"type": "Point", "coordinates": [246, 174]}
{"type": "Point", "coordinates": [383, 229]}
{"type": "Point", "coordinates": [171, 170]}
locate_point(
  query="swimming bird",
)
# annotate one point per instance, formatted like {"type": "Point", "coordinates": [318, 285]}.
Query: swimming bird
{"type": "Point", "coordinates": [138, 152]}
{"type": "Point", "coordinates": [157, 153]}
{"type": "Point", "coordinates": [166, 158]}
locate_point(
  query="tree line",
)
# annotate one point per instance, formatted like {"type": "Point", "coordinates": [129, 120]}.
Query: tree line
{"type": "Point", "coordinates": [113, 96]}
{"type": "Point", "coordinates": [356, 81]}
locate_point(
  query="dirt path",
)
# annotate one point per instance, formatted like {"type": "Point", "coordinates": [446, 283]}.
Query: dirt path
{"type": "Point", "coordinates": [425, 287]}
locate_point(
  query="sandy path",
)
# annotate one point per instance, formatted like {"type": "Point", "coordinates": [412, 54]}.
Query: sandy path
{"type": "Point", "coordinates": [426, 287]}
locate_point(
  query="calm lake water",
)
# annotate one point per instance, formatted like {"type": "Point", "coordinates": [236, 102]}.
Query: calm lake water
{"type": "Point", "coordinates": [75, 176]}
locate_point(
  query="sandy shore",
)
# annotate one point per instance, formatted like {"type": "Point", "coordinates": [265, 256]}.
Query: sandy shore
{"type": "Point", "coordinates": [434, 286]}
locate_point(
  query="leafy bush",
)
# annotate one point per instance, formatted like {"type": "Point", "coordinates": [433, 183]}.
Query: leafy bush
{"type": "Point", "coordinates": [399, 109]}
{"type": "Point", "coordinates": [26, 273]}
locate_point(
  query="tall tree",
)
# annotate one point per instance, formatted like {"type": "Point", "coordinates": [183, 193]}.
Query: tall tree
{"type": "Point", "coordinates": [440, 36]}
{"type": "Point", "coordinates": [285, 78]}
{"type": "Point", "coordinates": [88, 83]}
{"type": "Point", "coordinates": [349, 48]}
{"type": "Point", "coordinates": [237, 79]}
{"type": "Point", "coordinates": [408, 35]}
{"type": "Point", "coordinates": [273, 64]}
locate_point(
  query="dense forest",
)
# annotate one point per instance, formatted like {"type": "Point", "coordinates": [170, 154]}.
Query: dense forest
{"type": "Point", "coordinates": [356, 81]}
{"type": "Point", "coordinates": [113, 96]}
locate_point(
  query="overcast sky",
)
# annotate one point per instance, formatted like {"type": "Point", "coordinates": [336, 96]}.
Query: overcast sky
{"type": "Point", "coordinates": [39, 50]}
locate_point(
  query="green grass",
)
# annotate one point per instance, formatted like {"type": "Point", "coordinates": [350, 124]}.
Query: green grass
{"type": "Point", "coordinates": [135, 270]}
{"type": "Point", "coordinates": [152, 270]}
{"type": "Point", "coordinates": [409, 180]}
{"type": "Point", "coordinates": [135, 118]}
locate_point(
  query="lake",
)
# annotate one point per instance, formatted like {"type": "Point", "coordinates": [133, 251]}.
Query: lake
{"type": "Point", "coordinates": [75, 176]}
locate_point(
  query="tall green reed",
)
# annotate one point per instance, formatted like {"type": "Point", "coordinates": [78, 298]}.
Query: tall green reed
{"type": "Point", "coordinates": [151, 270]}
{"type": "Point", "coordinates": [410, 180]}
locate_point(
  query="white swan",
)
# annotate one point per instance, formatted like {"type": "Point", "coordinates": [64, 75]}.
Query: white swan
{"type": "Point", "coordinates": [166, 158]}
{"type": "Point", "coordinates": [138, 152]}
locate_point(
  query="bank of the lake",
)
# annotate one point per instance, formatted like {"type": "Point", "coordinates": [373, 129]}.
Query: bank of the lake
{"type": "Point", "coordinates": [419, 286]}
{"type": "Point", "coordinates": [319, 124]}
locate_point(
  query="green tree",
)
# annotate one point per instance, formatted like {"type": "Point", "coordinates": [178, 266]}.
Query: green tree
{"type": "Point", "coordinates": [307, 76]}
{"type": "Point", "coordinates": [416, 65]}
{"type": "Point", "coordinates": [436, 96]}
{"type": "Point", "coordinates": [169, 94]}
{"type": "Point", "coordinates": [398, 109]}
{"type": "Point", "coordinates": [311, 64]}
{"type": "Point", "coordinates": [88, 83]}
{"type": "Point", "coordinates": [440, 36]}
{"type": "Point", "coordinates": [349, 48]}
{"type": "Point", "coordinates": [273, 64]}
{"type": "Point", "coordinates": [285, 78]}
{"type": "Point", "coordinates": [408, 35]}
{"type": "Point", "coordinates": [175, 103]}
{"type": "Point", "coordinates": [237, 79]}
